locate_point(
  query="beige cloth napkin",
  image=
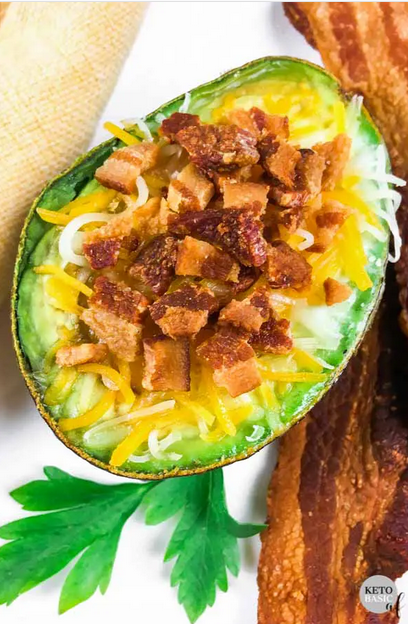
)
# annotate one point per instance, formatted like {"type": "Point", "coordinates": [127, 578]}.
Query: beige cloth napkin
{"type": "Point", "coordinates": [58, 65]}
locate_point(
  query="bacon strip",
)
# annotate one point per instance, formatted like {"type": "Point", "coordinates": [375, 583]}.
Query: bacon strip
{"type": "Point", "coordinates": [338, 499]}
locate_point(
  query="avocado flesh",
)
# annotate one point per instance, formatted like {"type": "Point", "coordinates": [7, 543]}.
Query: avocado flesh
{"type": "Point", "coordinates": [36, 321]}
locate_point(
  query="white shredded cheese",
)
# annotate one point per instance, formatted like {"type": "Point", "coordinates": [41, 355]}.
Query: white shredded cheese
{"type": "Point", "coordinates": [164, 406]}
{"type": "Point", "coordinates": [66, 241]}
{"type": "Point", "coordinates": [156, 448]}
{"type": "Point", "coordinates": [308, 236]}
{"type": "Point", "coordinates": [184, 107]}
{"type": "Point", "coordinates": [142, 192]}
{"type": "Point", "coordinates": [256, 434]}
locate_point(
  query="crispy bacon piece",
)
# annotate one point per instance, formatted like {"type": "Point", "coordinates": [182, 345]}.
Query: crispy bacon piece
{"type": "Point", "coordinates": [309, 172]}
{"type": "Point", "coordinates": [146, 223]}
{"type": "Point", "coordinates": [190, 191]}
{"type": "Point", "coordinates": [246, 278]}
{"type": "Point", "coordinates": [243, 174]}
{"type": "Point", "coordinates": [123, 167]}
{"type": "Point", "coordinates": [167, 364]}
{"type": "Point", "coordinates": [177, 122]}
{"type": "Point", "coordinates": [122, 338]}
{"type": "Point", "coordinates": [72, 355]}
{"type": "Point", "coordinates": [279, 159]}
{"type": "Point", "coordinates": [156, 263]}
{"type": "Point", "coordinates": [233, 362]}
{"type": "Point", "coordinates": [237, 231]}
{"type": "Point", "coordinates": [219, 148]}
{"type": "Point", "coordinates": [120, 299]}
{"type": "Point", "coordinates": [335, 292]}
{"type": "Point", "coordinates": [286, 268]}
{"type": "Point", "coordinates": [184, 311]}
{"type": "Point", "coordinates": [329, 219]}
{"type": "Point", "coordinates": [336, 154]}
{"type": "Point", "coordinates": [243, 119]}
{"type": "Point", "coordinates": [287, 198]}
{"type": "Point", "coordinates": [249, 313]}
{"type": "Point", "coordinates": [269, 125]}
{"type": "Point", "coordinates": [273, 337]}
{"type": "Point", "coordinates": [248, 195]}
{"type": "Point", "coordinates": [198, 258]}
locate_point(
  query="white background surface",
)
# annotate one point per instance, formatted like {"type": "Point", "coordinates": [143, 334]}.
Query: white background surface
{"type": "Point", "coordinates": [180, 46]}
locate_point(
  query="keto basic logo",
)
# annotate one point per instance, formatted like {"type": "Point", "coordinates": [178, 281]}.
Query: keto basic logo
{"type": "Point", "coordinates": [378, 594]}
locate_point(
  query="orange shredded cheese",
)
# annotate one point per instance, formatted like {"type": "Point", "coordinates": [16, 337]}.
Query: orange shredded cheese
{"type": "Point", "coordinates": [306, 360]}
{"type": "Point", "coordinates": [51, 269]}
{"type": "Point", "coordinates": [351, 252]}
{"type": "Point", "coordinates": [113, 375]}
{"type": "Point", "coordinates": [352, 200]}
{"type": "Point", "coordinates": [91, 416]}
{"type": "Point", "coordinates": [291, 377]}
{"type": "Point", "coordinates": [64, 297]}
{"type": "Point", "coordinates": [121, 134]}
{"type": "Point", "coordinates": [62, 384]}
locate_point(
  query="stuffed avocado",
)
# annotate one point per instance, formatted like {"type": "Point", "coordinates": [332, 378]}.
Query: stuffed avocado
{"type": "Point", "coordinates": [186, 291]}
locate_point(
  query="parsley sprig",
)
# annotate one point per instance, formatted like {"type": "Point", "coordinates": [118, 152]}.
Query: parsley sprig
{"type": "Point", "coordinates": [80, 517]}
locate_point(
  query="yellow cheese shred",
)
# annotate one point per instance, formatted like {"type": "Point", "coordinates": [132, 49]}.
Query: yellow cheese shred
{"type": "Point", "coordinates": [62, 384]}
{"type": "Point", "coordinates": [339, 113]}
{"type": "Point", "coordinates": [305, 360]}
{"type": "Point", "coordinates": [91, 416]}
{"type": "Point", "coordinates": [352, 200]}
{"type": "Point", "coordinates": [113, 376]}
{"type": "Point", "coordinates": [351, 252]}
{"type": "Point", "coordinates": [95, 202]}
{"type": "Point", "coordinates": [121, 134]}
{"type": "Point", "coordinates": [51, 269]}
{"type": "Point", "coordinates": [52, 216]}
{"type": "Point", "coordinates": [63, 297]}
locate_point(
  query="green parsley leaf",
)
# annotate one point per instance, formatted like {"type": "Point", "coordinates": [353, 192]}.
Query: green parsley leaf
{"type": "Point", "coordinates": [204, 541]}
{"type": "Point", "coordinates": [86, 518]}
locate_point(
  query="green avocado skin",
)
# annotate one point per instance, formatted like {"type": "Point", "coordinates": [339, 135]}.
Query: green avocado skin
{"type": "Point", "coordinates": [31, 332]}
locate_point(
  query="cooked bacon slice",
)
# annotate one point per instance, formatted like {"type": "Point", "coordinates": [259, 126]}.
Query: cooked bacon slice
{"type": "Point", "coordinates": [122, 338]}
{"type": "Point", "coordinates": [177, 122]}
{"type": "Point", "coordinates": [123, 167]}
{"type": "Point", "coordinates": [184, 311]}
{"type": "Point", "coordinates": [336, 154]}
{"type": "Point", "coordinates": [233, 362]}
{"type": "Point", "coordinates": [286, 268]}
{"type": "Point", "coordinates": [198, 258]}
{"type": "Point", "coordinates": [249, 313]}
{"type": "Point", "coordinates": [248, 195]}
{"type": "Point", "coordinates": [72, 355]}
{"type": "Point", "coordinates": [120, 299]}
{"type": "Point", "coordinates": [102, 253]}
{"type": "Point", "coordinates": [335, 292]}
{"type": "Point", "coordinates": [329, 220]}
{"type": "Point", "coordinates": [167, 364]}
{"type": "Point", "coordinates": [279, 159]}
{"type": "Point", "coordinates": [273, 337]}
{"type": "Point", "coordinates": [269, 125]}
{"type": "Point", "coordinates": [190, 191]}
{"type": "Point", "coordinates": [237, 231]}
{"type": "Point", "coordinates": [309, 172]}
{"type": "Point", "coordinates": [219, 148]}
{"type": "Point", "coordinates": [155, 264]}
{"type": "Point", "coordinates": [102, 246]}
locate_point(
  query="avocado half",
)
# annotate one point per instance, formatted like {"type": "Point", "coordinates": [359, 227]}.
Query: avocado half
{"type": "Point", "coordinates": [34, 322]}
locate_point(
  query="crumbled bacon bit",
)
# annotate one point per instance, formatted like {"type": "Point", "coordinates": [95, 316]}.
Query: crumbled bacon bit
{"type": "Point", "coordinates": [123, 338]}
{"type": "Point", "coordinates": [218, 147]}
{"type": "Point", "coordinates": [155, 264]}
{"type": "Point", "coordinates": [184, 311]}
{"type": "Point", "coordinates": [246, 278]}
{"type": "Point", "coordinates": [198, 258]}
{"type": "Point", "coordinates": [248, 314]}
{"type": "Point", "coordinates": [120, 299]}
{"type": "Point", "coordinates": [147, 222]}
{"type": "Point", "coordinates": [72, 355]}
{"type": "Point", "coordinates": [167, 364]}
{"type": "Point", "coordinates": [243, 174]}
{"type": "Point", "coordinates": [309, 172]}
{"type": "Point", "coordinates": [329, 219]}
{"type": "Point", "coordinates": [190, 191]}
{"type": "Point", "coordinates": [335, 292]}
{"type": "Point", "coordinates": [245, 195]}
{"type": "Point", "coordinates": [291, 218]}
{"type": "Point", "coordinates": [286, 268]}
{"type": "Point", "coordinates": [279, 160]}
{"type": "Point", "coordinates": [286, 198]}
{"type": "Point", "coordinates": [233, 362]}
{"type": "Point", "coordinates": [237, 231]}
{"type": "Point", "coordinates": [273, 337]}
{"type": "Point", "coordinates": [272, 125]}
{"type": "Point", "coordinates": [123, 167]}
{"type": "Point", "coordinates": [336, 154]}
{"type": "Point", "coordinates": [243, 119]}
{"type": "Point", "coordinates": [176, 122]}
{"type": "Point", "coordinates": [102, 253]}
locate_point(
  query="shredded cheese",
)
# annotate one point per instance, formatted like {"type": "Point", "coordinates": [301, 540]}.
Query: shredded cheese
{"type": "Point", "coordinates": [352, 200]}
{"type": "Point", "coordinates": [290, 377]}
{"type": "Point", "coordinates": [63, 297]}
{"type": "Point", "coordinates": [52, 216]}
{"type": "Point", "coordinates": [113, 375]}
{"type": "Point", "coordinates": [305, 360]}
{"type": "Point", "coordinates": [62, 384]}
{"type": "Point", "coordinates": [51, 269]}
{"type": "Point", "coordinates": [121, 134]}
{"type": "Point", "coordinates": [91, 416]}
{"type": "Point", "coordinates": [352, 254]}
